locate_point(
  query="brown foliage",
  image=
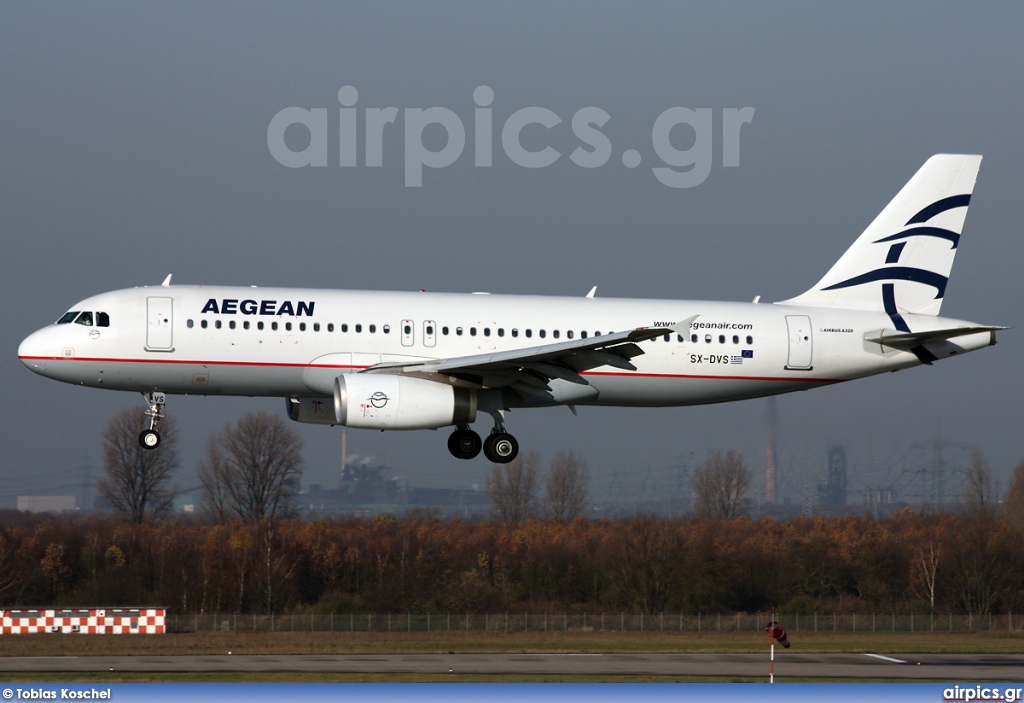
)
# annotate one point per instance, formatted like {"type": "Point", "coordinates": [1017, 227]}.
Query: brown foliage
{"type": "Point", "coordinates": [417, 565]}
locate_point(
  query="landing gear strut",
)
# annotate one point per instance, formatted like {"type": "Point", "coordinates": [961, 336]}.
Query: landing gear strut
{"type": "Point", "coordinates": [464, 443]}
{"type": "Point", "coordinates": [150, 439]}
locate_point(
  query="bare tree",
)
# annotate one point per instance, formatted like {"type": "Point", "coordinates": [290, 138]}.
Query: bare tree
{"type": "Point", "coordinates": [513, 488]}
{"type": "Point", "coordinates": [924, 572]}
{"type": "Point", "coordinates": [1013, 502]}
{"type": "Point", "coordinates": [981, 488]}
{"type": "Point", "coordinates": [568, 486]}
{"type": "Point", "coordinates": [252, 469]}
{"type": "Point", "coordinates": [720, 486]}
{"type": "Point", "coordinates": [137, 479]}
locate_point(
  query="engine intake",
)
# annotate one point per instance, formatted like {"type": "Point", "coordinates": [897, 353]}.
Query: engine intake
{"type": "Point", "coordinates": [389, 402]}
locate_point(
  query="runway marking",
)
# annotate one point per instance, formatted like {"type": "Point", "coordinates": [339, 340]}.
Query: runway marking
{"type": "Point", "coordinates": [888, 659]}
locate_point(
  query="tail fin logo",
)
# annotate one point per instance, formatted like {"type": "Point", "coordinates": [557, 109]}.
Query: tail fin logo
{"type": "Point", "coordinates": [908, 273]}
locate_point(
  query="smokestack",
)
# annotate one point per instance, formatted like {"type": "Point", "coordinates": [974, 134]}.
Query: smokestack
{"type": "Point", "coordinates": [769, 464]}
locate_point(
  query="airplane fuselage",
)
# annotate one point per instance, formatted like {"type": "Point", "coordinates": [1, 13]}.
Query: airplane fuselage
{"type": "Point", "coordinates": [214, 340]}
{"type": "Point", "coordinates": [394, 361]}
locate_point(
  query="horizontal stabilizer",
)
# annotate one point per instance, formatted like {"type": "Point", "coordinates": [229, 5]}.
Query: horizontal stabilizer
{"type": "Point", "coordinates": [910, 339]}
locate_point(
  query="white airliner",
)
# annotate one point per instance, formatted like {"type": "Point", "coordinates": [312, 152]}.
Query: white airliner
{"type": "Point", "coordinates": [406, 361]}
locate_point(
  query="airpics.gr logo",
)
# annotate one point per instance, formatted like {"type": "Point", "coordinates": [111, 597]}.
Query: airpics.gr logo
{"type": "Point", "coordinates": [680, 168]}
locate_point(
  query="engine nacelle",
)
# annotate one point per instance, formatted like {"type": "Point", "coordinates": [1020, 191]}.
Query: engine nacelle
{"type": "Point", "coordinates": [388, 402]}
{"type": "Point", "coordinates": [316, 411]}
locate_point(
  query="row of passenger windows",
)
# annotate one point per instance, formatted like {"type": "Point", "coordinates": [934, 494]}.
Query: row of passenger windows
{"type": "Point", "coordinates": [445, 330]}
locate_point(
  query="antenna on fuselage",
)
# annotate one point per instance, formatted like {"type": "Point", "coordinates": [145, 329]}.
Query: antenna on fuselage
{"type": "Point", "coordinates": [167, 281]}
{"type": "Point", "coordinates": [591, 293]}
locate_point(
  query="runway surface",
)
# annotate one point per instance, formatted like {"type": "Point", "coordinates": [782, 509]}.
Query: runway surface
{"type": "Point", "coordinates": [945, 667]}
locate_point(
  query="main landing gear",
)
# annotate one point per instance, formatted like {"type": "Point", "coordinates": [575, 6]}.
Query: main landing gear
{"type": "Point", "coordinates": [500, 447]}
{"type": "Point", "coordinates": [150, 439]}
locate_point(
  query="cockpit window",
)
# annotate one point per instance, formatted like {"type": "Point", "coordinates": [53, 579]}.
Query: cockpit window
{"type": "Point", "coordinates": [68, 317]}
{"type": "Point", "coordinates": [102, 319]}
{"type": "Point", "coordinates": [84, 319]}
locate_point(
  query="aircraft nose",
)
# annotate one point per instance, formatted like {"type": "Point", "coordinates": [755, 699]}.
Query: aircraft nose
{"type": "Point", "coordinates": [33, 352]}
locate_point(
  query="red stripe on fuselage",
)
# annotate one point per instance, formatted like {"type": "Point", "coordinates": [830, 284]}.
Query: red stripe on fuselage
{"type": "Point", "coordinates": [272, 364]}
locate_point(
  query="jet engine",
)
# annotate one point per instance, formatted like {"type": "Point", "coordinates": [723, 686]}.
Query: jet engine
{"type": "Point", "coordinates": [390, 402]}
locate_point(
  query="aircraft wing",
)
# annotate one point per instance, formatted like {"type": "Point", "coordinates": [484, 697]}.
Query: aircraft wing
{"type": "Point", "coordinates": [529, 370]}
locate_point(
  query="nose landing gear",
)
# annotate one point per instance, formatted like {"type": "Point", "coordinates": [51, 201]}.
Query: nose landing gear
{"type": "Point", "coordinates": [150, 439]}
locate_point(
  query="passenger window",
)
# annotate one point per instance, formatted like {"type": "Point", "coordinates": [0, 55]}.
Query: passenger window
{"type": "Point", "coordinates": [472, 331]}
{"type": "Point", "coordinates": [407, 329]}
{"type": "Point", "coordinates": [359, 328]}
{"type": "Point", "coordinates": [68, 317]}
{"type": "Point", "coordinates": [555, 334]}
{"type": "Point", "coordinates": [316, 326]}
{"type": "Point", "coordinates": [430, 329]}
{"type": "Point", "coordinates": [84, 319]}
{"type": "Point", "coordinates": [458, 331]}
{"type": "Point", "coordinates": [668, 337]}
{"type": "Point", "coordinates": [102, 319]}
{"type": "Point", "coordinates": [189, 324]}
{"type": "Point", "coordinates": [444, 330]}
{"type": "Point", "coordinates": [680, 338]}
{"type": "Point", "coordinates": [583, 334]}
{"type": "Point", "coordinates": [735, 339]}
{"type": "Point", "coordinates": [750, 340]}
{"type": "Point", "coordinates": [288, 326]}
{"type": "Point", "coordinates": [259, 325]}
{"type": "Point", "coordinates": [721, 339]}
{"type": "Point", "coordinates": [373, 328]}
{"type": "Point", "coordinates": [245, 325]}
{"type": "Point", "coordinates": [597, 334]}
{"type": "Point", "coordinates": [543, 334]}
{"type": "Point", "coordinates": [515, 332]}
{"type": "Point", "coordinates": [330, 326]}
{"type": "Point", "coordinates": [302, 327]}
{"type": "Point", "coordinates": [487, 331]}
{"type": "Point", "coordinates": [344, 327]}
{"type": "Point", "coordinates": [386, 329]}
{"type": "Point", "coordinates": [707, 339]}
{"type": "Point", "coordinates": [693, 338]}
{"type": "Point", "coordinates": [569, 334]}
{"type": "Point", "coordinates": [231, 324]}
{"type": "Point", "coordinates": [529, 333]}
{"type": "Point", "coordinates": [203, 324]}
{"type": "Point", "coordinates": [218, 324]}
{"type": "Point", "coordinates": [273, 326]}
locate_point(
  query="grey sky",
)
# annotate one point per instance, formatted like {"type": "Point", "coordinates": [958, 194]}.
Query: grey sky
{"type": "Point", "coordinates": [133, 144]}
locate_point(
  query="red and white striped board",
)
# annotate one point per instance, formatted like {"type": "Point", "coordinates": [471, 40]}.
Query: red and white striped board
{"type": "Point", "coordinates": [86, 621]}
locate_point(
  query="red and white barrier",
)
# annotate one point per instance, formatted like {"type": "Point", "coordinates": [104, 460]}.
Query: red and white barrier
{"type": "Point", "coordinates": [86, 621]}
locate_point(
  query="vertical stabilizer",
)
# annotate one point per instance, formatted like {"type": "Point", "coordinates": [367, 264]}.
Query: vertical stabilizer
{"type": "Point", "coordinates": [901, 262]}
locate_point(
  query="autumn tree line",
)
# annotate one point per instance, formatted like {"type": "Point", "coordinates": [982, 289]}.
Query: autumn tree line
{"type": "Point", "coordinates": [967, 562]}
{"type": "Point", "coordinates": [246, 554]}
